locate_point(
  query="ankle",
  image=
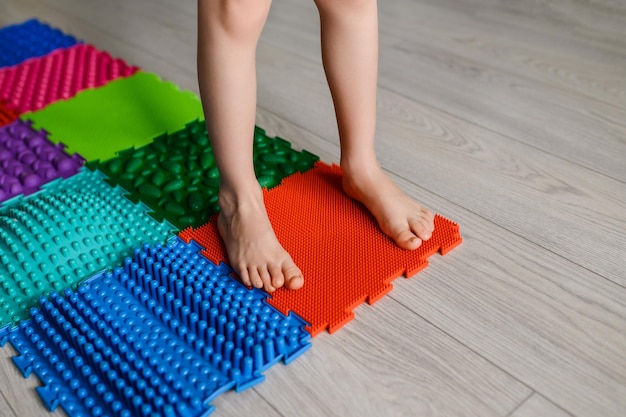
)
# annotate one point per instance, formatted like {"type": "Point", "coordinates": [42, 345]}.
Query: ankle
{"type": "Point", "coordinates": [353, 161]}
{"type": "Point", "coordinates": [232, 199]}
{"type": "Point", "coordinates": [360, 171]}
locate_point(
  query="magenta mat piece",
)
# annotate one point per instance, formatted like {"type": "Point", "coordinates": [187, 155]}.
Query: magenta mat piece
{"type": "Point", "coordinates": [28, 160]}
{"type": "Point", "coordinates": [60, 75]}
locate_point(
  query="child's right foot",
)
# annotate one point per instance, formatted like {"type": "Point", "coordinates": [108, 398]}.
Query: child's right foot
{"type": "Point", "coordinates": [253, 249]}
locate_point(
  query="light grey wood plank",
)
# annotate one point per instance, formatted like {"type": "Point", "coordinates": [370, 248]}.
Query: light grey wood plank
{"type": "Point", "coordinates": [566, 124]}
{"type": "Point", "coordinates": [246, 403]}
{"type": "Point", "coordinates": [5, 407]}
{"type": "Point", "coordinates": [388, 363]}
{"type": "Point", "coordinates": [555, 326]}
{"type": "Point", "coordinates": [537, 406]}
{"type": "Point", "coordinates": [567, 63]}
{"type": "Point", "coordinates": [599, 21]}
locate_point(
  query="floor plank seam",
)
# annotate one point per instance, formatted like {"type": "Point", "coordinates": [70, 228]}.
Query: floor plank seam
{"type": "Point", "coordinates": [462, 343]}
{"type": "Point", "coordinates": [268, 402]}
{"type": "Point", "coordinates": [591, 41]}
{"type": "Point", "coordinates": [504, 135]}
{"type": "Point", "coordinates": [6, 400]}
{"type": "Point", "coordinates": [521, 77]}
{"type": "Point", "coordinates": [518, 406]}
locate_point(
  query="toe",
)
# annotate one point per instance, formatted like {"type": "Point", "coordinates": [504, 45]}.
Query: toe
{"type": "Point", "coordinates": [267, 279]}
{"type": "Point", "coordinates": [276, 273]}
{"type": "Point", "coordinates": [420, 227]}
{"type": "Point", "coordinates": [293, 277]}
{"type": "Point", "coordinates": [406, 239]}
{"type": "Point", "coordinates": [244, 276]}
{"type": "Point", "coordinates": [255, 278]}
{"type": "Point", "coordinates": [430, 219]}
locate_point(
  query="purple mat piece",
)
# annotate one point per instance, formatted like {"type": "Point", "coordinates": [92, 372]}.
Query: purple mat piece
{"type": "Point", "coordinates": [29, 160]}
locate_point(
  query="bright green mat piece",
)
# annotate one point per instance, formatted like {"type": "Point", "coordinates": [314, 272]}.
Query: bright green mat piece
{"type": "Point", "coordinates": [124, 113]}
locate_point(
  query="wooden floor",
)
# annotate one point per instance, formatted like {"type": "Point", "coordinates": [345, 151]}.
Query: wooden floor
{"type": "Point", "coordinates": [507, 116]}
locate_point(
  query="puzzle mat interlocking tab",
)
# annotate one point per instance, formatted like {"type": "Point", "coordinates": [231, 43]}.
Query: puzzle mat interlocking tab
{"type": "Point", "coordinates": [61, 74]}
{"type": "Point", "coordinates": [162, 336]}
{"type": "Point", "coordinates": [335, 241]}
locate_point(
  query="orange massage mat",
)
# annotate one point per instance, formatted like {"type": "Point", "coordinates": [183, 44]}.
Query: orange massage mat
{"type": "Point", "coordinates": [335, 241]}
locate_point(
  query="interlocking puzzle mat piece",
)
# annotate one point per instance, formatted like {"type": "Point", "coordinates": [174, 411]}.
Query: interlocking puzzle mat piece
{"type": "Point", "coordinates": [7, 114]}
{"type": "Point", "coordinates": [164, 335]}
{"type": "Point", "coordinates": [59, 75]}
{"type": "Point", "coordinates": [30, 39]}
{"type": "Point", "coordinates": [69, 230]}
{"type": "Point", "coordinates": [28, 160]}
{"type": "Point", "coordinates": [336, 242]}
{"type": "Point", "coordinates": [176, 175]}
{"type": "Point", "coordinates": [127, 112]}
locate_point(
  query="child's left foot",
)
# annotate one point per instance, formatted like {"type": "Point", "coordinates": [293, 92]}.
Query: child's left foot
{"type": "Point", "coordinates": [400, 217]}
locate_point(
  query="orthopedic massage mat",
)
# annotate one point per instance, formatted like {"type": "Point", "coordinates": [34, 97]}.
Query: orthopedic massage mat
{"type": "Point", "coordinates": [101, 166]}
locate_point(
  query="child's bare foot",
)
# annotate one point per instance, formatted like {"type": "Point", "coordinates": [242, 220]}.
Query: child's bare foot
{"type": "Point", "coordinates": [399, 217]}
{"type": "Point", "coordinates": [253, 249]}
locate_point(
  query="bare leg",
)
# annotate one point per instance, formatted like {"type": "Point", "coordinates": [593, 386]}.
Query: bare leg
{"type": "Point", "coordinates": [350, 56]}
{"type": "Point", "coordinates": [228, 33]}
